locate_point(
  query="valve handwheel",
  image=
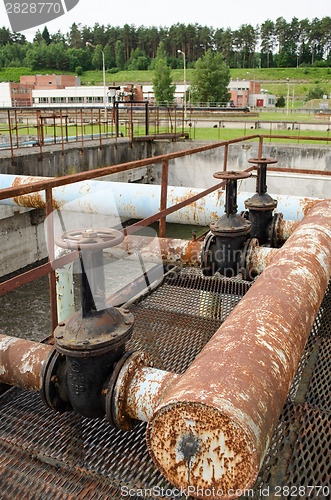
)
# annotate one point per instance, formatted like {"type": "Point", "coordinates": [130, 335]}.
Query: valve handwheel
{"type": "Point", "coordinates": [231, 175]}
{"type": "Point", "coordinates": [263, 161]}
{"type": "Point", "coordinates": [89, 239]}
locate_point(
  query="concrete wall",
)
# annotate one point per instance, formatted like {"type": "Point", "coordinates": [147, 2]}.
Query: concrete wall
{"type": "Point", "coordinates": [22, 230]}
{"type": "Point", "coordinates": [197, 170]}
{"type": "Point", "coordinates": [23, 239]}
{"type": "Point", "coordinates": [54, 164]}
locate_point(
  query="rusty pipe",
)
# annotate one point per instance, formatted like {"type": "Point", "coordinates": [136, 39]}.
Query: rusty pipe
{"type": "Point", "coordinates": [258, 259]}
{"type": "Point", "coordinates": [22, 362]}
{"type": "Point", "coordinates": [179, 251]}
{"type": "Point", "coordinates": [215, 425]}
{"type": "Point", "coordinates": [285, 228]}
{"type": "Point", "coordinates": [146, 390]}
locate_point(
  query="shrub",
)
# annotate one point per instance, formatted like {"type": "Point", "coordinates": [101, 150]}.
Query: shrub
{"type": "Point", "coordinates": [280, 102]}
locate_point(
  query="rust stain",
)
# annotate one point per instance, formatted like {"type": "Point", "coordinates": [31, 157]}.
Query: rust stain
{"type": "Point", "coordinates": [31, 200]}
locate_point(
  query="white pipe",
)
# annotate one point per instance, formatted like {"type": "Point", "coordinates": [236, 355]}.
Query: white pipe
{"type": "Point", "coordinates": [141, 200]}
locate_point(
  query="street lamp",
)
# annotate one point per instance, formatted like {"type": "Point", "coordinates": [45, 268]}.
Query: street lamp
{"type": "Point", "coordinates": [104, 74]}
{"type": "Point", "coordinates": [181, 52]}
{"type": "Point", "coordinates": [288, 95]}
{"type": "Point", "coordinates": [254, 99]}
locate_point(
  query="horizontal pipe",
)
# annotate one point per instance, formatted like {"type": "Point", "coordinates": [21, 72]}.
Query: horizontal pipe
{"type": "Point", "coordinates": [259, 258]}
{"type": "Point", "coordinates": [22, 362]}
{"type": "Point", "coordinates": [146, 390]}
{"type": "Point", "coordinates": [285, 229]}
{"type": "Point", "coordinates": [215, 425]}
{"type": "Point", "coordinates": [139, 201]}
{"type": "Point", "coordinates": [171, 251]}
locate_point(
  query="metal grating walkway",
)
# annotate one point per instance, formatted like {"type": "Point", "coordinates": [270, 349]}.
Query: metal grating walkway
{"type": "Point", "coordinates": [45, 455]}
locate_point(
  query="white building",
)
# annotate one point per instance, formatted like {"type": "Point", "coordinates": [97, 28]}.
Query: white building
{"type": "Point", "coordinates": [91, 95]}
{"type": "Point", "coordinates": [5, 95]}
{"type": "Point", "coordinates": [148, 93]}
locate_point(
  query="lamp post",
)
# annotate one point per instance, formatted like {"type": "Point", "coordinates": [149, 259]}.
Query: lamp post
{"type": "Point", "coordinates": [104, 75]}
{"type": "Point", "coordinates": [254, 99]}
{"type": "Point", "coordinates": [288, 95]}
{"type": "Point", "coordinates": [181, 52]}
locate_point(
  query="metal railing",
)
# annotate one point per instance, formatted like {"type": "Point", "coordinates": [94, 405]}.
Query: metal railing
{"type": "Point", "coordinates": [48, 185]}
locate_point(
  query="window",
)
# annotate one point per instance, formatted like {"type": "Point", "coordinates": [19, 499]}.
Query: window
{"type": "Point", "coordinates": [43, 100]}
{"type": "Point", "coordinates": [58, 99]}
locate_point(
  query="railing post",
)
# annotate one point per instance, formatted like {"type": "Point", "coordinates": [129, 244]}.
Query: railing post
{"type": "Point", "coordinates": [100, 131]}
{"type": "Point", "coordinates": [146, 119]}
{"type": "Point", "coordinates": [225, 164]}
{"type": "Point", "coordinates": [39, 134]}
{"type": "Point", "coordinates": [62, 133]}
{"type": "Point", "coordinates": [164, 192]}
{"type": "Point", "coordinates": [82, 129]}
{"type": "Point", "coordinates": [10, 137]}
{"type": "Point", "coordinates": [16, 128]}
{"type": "Point", "coordinates": [260, 146]}
{"type": "Point", "coordinates": [50, 245]}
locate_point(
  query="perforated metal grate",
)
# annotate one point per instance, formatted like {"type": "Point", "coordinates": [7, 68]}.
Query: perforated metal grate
{"type": "Point", "coordinates": [44, 455]}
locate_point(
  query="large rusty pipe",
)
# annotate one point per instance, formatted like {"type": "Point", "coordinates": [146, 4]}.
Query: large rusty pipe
{"type": "Point", "coordinates": [22, 362]}
{"type": "Point", "coordinates": [215, 425]}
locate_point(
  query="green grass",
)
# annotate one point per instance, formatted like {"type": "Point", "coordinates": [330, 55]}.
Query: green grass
{"type": "Point", "coordinates": [13, 74]}
{"type": "Point", "coordinates": [227, 134]}
{"type": "Point", "coordinates": [131, 76]}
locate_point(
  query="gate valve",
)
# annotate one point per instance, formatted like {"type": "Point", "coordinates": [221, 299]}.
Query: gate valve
{"type": "Point", "coordinates": [261, 206]}
{"type": "Point", "coordinates": [223, 244]}
{"type": "Point", "coordinates": [92, 340]}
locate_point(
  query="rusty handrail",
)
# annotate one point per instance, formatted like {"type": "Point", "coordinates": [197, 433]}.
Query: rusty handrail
{"type": "Point", "coordinates": [113, 169]}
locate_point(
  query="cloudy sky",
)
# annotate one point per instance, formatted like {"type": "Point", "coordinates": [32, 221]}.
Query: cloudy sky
{"type": "Point", "coordinates": [164, 13]}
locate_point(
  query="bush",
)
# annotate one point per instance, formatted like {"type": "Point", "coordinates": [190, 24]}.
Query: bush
{"type": "Point", "coordinates": [113, 70]}
{"type": "Point", "coordinates": [79, 70]}
{"type": "Point", "coordinates": [280, 102]}
{"type": "Point", "coordinates": [316, 92]}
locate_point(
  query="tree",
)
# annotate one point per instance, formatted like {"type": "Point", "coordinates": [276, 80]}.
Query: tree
{"type": "Point", "coordinates": [211, 79]}
{"type": "Point", "coordinates": [119, 55]}
{"type": "Point", "coordinates": [267, 34]}
{"type": "Point", "coordinates": [162, 83]}
{"type": "Point", "coordinates": [46, 36]}
{"type": "Point", "coordinates": [280, 103]}
{"type": "Point", "coordinates": [160, 54]}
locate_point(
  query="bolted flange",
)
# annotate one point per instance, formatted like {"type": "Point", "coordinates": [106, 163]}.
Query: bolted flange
{"type": "Point", "coordinates": [261, 200]}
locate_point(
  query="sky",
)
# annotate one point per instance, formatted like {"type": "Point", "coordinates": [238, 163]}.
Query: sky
{"type": "Point", "coordinates": [165, 13]}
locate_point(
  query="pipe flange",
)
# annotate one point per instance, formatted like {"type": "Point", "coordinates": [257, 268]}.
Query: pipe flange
{"type": "Point", "coordinates": [50, 384]}
{"type": "Point", "coordinates": [275, 230]}
{"type": "Point", "coordinates": [246, 265]}
{"type": "Point", "coordinates": [261, 202]}
{"type": "Point", "coordinates": [117, 390]}
{"type": "Point", "coordinates": [94, 335]}
{"type": "Point", "coordinates": [231, 226]}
